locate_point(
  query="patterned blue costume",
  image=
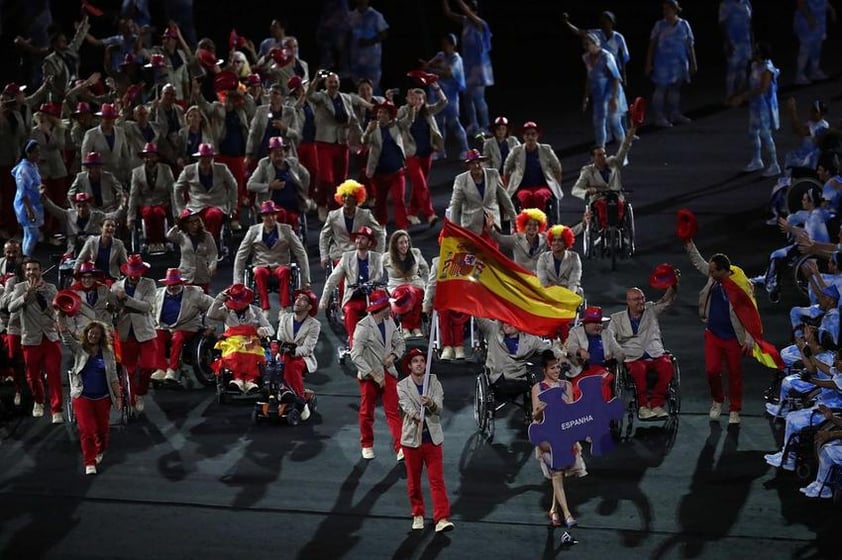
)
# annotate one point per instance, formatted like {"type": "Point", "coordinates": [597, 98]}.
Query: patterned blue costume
{"type": "Point", "coordinates": [365, 60]}
{"type": "Point", "coordinates": [448, 118]}
{"type": "Point", "coordinates": [476, 55]}
{"type": "Point", "coordinates": [763, 115]}
{"type": "Point", "coordinates": [602, 73]}
{"type": "Point", "coordinates": [672, 46]}
{"type": "Point", "coordinates": [735, 19]}
{"type": "Point", "coordinates": [28, 181]}
{"type": "Point", "coordinates": [810, 40]}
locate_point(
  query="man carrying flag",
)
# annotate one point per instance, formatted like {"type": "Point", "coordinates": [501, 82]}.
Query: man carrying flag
{"type": "Point", "coordinates": [732, 322]}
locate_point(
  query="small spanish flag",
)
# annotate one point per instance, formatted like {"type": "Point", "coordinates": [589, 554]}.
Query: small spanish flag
{"type": "Point", "coordinates": [241, 351]}
{"type": "Point", "coordinates": [476, 278]}
{"type": "Point", "coordinates": [741, 296]}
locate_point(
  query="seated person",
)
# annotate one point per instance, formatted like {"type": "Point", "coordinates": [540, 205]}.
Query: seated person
{"type": "Point", "coordinates": [97, 299]}
{"type": "Point", "coordinates": [560, 266]}
{"type": "Point", "coordinates": [497, 147]}
{"type": "Point", "coordinates": [830, 395]}
{"type": "Point", "coordinates": [298, 333]}
{"type": "Point", "coordinates": [529, 242]}
{"type": "Point", "coordinates": [150, 196]}
{"type": "Point", "coordinates": [244, 327]}
{"type": "Point", "coordinates": [107, 194]}
{"type": "Point", "coordinates": [451, 323]}
{"type": "Point", "coordinates": [336, 236]}
{"type": "Point", "coordinates": [638, 332]}
{"type": "Point", "coordinates": [283, 180]}
{"type": "Point", "coordinates": [80, 221]}
{"type": "Point", "coordinates": [824, 315]}
{"type": "Point", "coordinates": [601, 176]}
{"type": "Point", "coordinates": [207, 188]}
{"type": "Point", "coordinates": [199, 254]}
{"type": "Point", "coordinates": [532, 171]}
{"type": "Point", "coordinates": [106, 251]}
{"type": "Point", "coordinates": [356, 267]}
{"type": "Point", "coordinates": [179, 314]}
{"type": "Point", "coordinates": [509, 350]}
{"type": "Point", "coordinates": [830, 455]}
{"type": "Point", "coordinates": [590, 346]}
{"type": "Point", "coordinates": [408, 271]}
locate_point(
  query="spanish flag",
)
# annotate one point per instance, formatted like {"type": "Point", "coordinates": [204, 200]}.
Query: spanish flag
{"type": "Point", "coordinates": [476, 278]}
{"type": "Point", "coordinates": [741, 296]}
{"type": "Point", "coordinates": [241, 351]}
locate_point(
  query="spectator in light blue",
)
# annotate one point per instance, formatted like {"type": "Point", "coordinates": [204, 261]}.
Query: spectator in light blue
{"type": "Point", "coordinates": [368, 30]}
{"type": "Point", "coordinates": [121, 44]}
{"type": "Point", "coordinates": [476, 56]}
{"type": "Point", "coordinates": [810, 25]}
{"type": "Point", "coordinates": [138, 10]}
{"type": "Point", "coordinates": [735, 21]}
{"type": "Point", "coordinates": [277, 38]}
{"type": "Point", "coordinates": [611, 40]}
{"type": "Point", "coordinates": [28, 208]}
{"type": "Point", "coordinates": [604, 90]}
{"type": "Point", "coordinates": [447, 64]}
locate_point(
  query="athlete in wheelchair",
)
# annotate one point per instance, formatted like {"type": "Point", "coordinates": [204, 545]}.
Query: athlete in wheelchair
{"type": "Point", "coordinates": [532, 174]}
{"type": "Point", "coordinates": [505, 379]}
{"type": "Point", "coordinates": [593, 350]}
{"type": "Point", "coordinates": [150, 199]}
{"type": "Point", "coordinates": [270, 246]}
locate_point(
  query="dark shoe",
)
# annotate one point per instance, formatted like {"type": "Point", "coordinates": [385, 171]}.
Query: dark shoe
{"type": "Point", "coordinates": [775, 296]}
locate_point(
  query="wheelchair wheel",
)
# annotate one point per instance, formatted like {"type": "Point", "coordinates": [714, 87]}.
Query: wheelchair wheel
{"type": "Point", "coordinates": [127, 412]}
{"type": "Point", "coordinates": [629, 230]}
{"type": "Point", "coordinates": [484, 407]}
{"type": "Point", "coordinates": [293, 417]}
{"type": "Point", "coordinates": [614, 244]}
{"type": "Point", "coordinates": [801, 282]}
{"type": "Point", "coordinates": [674, 389]}
{"type": "Point", "coordinates": [796, 191]}
{"type": "Point", "coordinates": [587, 241]}
{"type": "Point", "coordinates": [203, 358]}
{"type": "Point", "coordinates": [622, 427]}
{"type": "Point", "coordinates": [804, 471]}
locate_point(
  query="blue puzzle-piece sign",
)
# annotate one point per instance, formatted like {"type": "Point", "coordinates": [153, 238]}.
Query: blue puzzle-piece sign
{"type": "Point", "coordinates": [565, 424]}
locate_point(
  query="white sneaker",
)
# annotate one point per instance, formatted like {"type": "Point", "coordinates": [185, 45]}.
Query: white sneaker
{"type": "Point", "coordinates": [37, 410]}
{"type": "Point", "coordinates": [774, 459]}
{"type": "Point", "coordinates": [251, 387]}
{"type": "Point", "coordinates": [715, 410]}
{"type": "Point", "coordinates": [773, 409]}
{"type": "Point", "coordinates": [90, 469]}
{"type": "Point", "coordinates": [418, 523]}
{"type": "Point", "coordinates": [417, 332]}
{"type": "Point", "coordinates": [413, 220]}
{"type": "Point", "coordinates": [170, 375]}
{"type": "Point", "coordinates": [659, 412]}
{"type": "Point", "coordinates": [99, 458]}
{"type": "Point", "coordinates": [305, 413]}
{"type": "Point", "coordinates": [754, 165]}
{"type": "Point", "coordinates": [138, 403]}
{"type": "Point", "coordinates": [459, 353]}
{"type": "Point", "coordinates": [57, 418]}
{"type": "Point", "coordinates": [17, 399]}
{"type": "Point", "coordinates": [158, 375]}
{"type": "Point", "coordinates": [235, 225]}
{"type": "Point", "coordinates": [447, 353]}
{"type": "Point", "coordinates": [399, 456]}
{"type": "Point", "coordinates": [368, 453]}
{"type": "Point", "coordinates": [444, 525]}
{"type": "Point", "coordinates": [734, 417]}
{"type": "Point", "coordinates": [644, 413]}
{"type": "Point", "coordinates": [773, 170]}
{"type": "Point", "coordinates": [237, 385]}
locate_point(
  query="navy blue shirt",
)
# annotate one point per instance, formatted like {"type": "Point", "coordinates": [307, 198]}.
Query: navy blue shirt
{"type": "Point", "coordinates": [595, 349]}
{"type": "Point", "coordinates": [420, 131]}
{"type": "Point", "coordinates": [171, 308]}
{"type": "Point", "coordinates": [296, 325]}
{"type": "Point", "coordinates": [234, 141]}
{"type": "Point", "coordinates": [287, 197]}
{"type": "Point", "coordinates": [511, 343]}
{"type": "Point", "coordinates": [308, 130]}
{"type": "Point", "coordinates": [382, 327]}
{"type": "Point", "coordinates": [481, 187]}
{"type": "Point", "coordinates": [94, 382]}
{"type": "Point", "coordinates": [96, 189]}
{"type": "Point", "coordinates": [349, 223]}
{"type": "Point", "coordinates": [362, 266]}
{"type": "Point", "coordinates": [270, 237]}
{"type": "Point", "coordinates": [206, 179]}
{"type": "Point", "coordinates": [504, 152]}
{"type": "Point", "coordinates": [719, 316]}
{"type": "Point", "coordinates": [103, 257]}
{"type": "Point", "coordinates": [339, 112]}
{"type": "Point", "coordinates": [110, 139]}
{"type": "Point", "coordinates": [635, 325]}
{"type": "Point", "coordinates": [391, 157]}
{"type": "Point", "coordinates": [173, 126]}
{"type": "Point", "coordinates": [91, 296]}
{"type": "Point", "coordinates": [533, 176]}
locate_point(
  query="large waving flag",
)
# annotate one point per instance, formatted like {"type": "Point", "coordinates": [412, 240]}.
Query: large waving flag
{"type": "Point", "coordinates": [241, 351]}
{"type": "Point", "coordinates": [476, 278]}
{"type": "Point", "coordinates": [741, 296]}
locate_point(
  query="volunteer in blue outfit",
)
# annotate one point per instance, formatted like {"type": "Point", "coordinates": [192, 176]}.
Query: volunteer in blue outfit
{"type": "Point", "coordinates": [613, 41]}
{"type": "Point", "coordinates": [810, 25]}
{"type": "Point", "coordinates": [28, 207]}
{"type": "Point", "coordinates": [735, 21]}
{"type": "Point", "coordinates": [670, 62]}
{"type": "Point", "coordinates": [368, 30]}
{"type": "Point", "coordinates": [604, 90]}
{"type": "Point", "coordinates": [447, 64]}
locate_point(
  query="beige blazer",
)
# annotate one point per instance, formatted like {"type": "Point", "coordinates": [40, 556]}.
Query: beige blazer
{"type": "Point", "coordinates": [410, 403]}
{"type": "Point", "coordinates": [335, 239]}
{"type": "Point", "coordinates": [415, 276]}
{"type": "Point", "coordinates": [577, 339]}
{"type": "Point", "coordinates": [222, 194]}
{"type": "Point", "coordinates": [36, 323]}
{"type": "Point", "coordinates": [216, 113]}
{"type": "Point", "coordinates": [491, 150]}
{"type": "Point", "coordinates": [117, 160]}
{"type": "Point", "coordinates": [144, 194]}
{"type": "Point", "coordinates": [112, 190]}
{"type": "Point", "coordinates": [374, 140]}
{"type": "Point", "coordinates": [468, 208]}
{"type": "Point", "coordinates": [90, 250]}
{"type": "Point", "coordinates": [648, 337]}
{"type": "Point", "coordinates": [253, 316]}
{"type": "Point", "coordinates": [168, 142]}
{"type": "Point", "coordinates": [135, 313]}
{"type": "Point", "coordinates": [99, 311]}
{"type": "Point", "coordinates": [305, 340]}
{"type": "Point", "coordinates": [347, 269]}
{"type": "Point", "coordinates": [406, 117]}
{"type": "Point", "coordinates": [502, 364]}
{"type": "Point", "coordinates": [194, 304]}
{"type": "Point", "coordinates": [136, 140]}
{"type": "Point", "coordinates": [569, 273]}
{"type": "Point", "coordinates": [519, 246]}
{"type": "Point", "coordinates": [54, 65]}
{"type": "Point", "coordinates": [327, 128]}
{"type": "Point", "coordinates": [370, 350]}
{"type": "Point", "coordinates": [289, 116]}
{"type": "Point", "coordinates": [515, 165]}
{"type": "Point", "coordinates": [274, 256]}
{"type": "Point", "coordinates": [69, 217]}
{"type": "Point", "coordinates": [196, 263]}
{"type": "Point", "coordinates": [80, 359]}
{"type": "Point", "coordinates": [51, 163]}
{"type": "Point", "coordinates": [590, 177]}
{"type": "Point", "coordinates": [264, 174]}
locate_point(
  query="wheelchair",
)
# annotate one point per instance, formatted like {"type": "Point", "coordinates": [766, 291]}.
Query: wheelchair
{"type": "Point", "coordinates": [626, 391]}
{"type": "Point", "coordinates": [197, 358]}
{"type": "Point", "coordinates": [479, 347]}
{"type": "Point", "coordinates": [487, 402]}
{"type": "Point", "coordinates": [275, 399]}
{"type": "Point", "coordinates": [223, 377]}
{"type": "Point", "coordinates": [786, 197]}
{"type": "Point", "coordinates": [366, 288]}
{"type": "Point", "coordinates": [273, 283]}
{"type": "Point", "coordinates": [553, 210]}
{"type": "Point", "coordinates": [614, 238]}
{"type": "Point", "coordinates": [802, 445]}
{"type": "Point", "coordinates": [334, 307]}
{"type": "Point", "coordinates": [138, 237]}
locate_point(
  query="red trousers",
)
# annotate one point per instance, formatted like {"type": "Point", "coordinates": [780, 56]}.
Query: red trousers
{"type": "Point", "coordinates": [177, 339]}
{"type": "Point", "coordinates": [394, 184]}
{"type": "Point", "coordinates": [155, 218]}
{"type": "Point", "coordinates": [354, 310]}
{"type": "Point", "coordinates": [139, 359]}
{"type": "Point", "coordinates": [290, 218]}
{"type": "Point", "coordinates": [237, 167]}
{"type": "Point", "coordinates": [727, 352]}
{"type": "Point", "coordinates": [294, 368]}
{"type": "Point", "coordinates": [418, 169]}
{"type": "Point", "coordinates": [452, 327]}
{"type": "Point", "coordinates": [13, 352]}
{"type": "Point", "coordinates": [638, 369]}
{"type": "Point", "coordinates": [213, 218]}
{"type": "Point", "coordinates": [92, 419]}
{"type": "Point", "coordinates": [309, 159]}
{"type": "Point", "coordinates": [415, 458]}
{"type": "Point", "coordinates": [607, 381]}
{"type": "Point", "coordinates": [534, 197]}
{"type": "Point", "coordinates": [369, 391]}
{"type": "Point", "coordinates": [261, 282]}
{"type": "Point", "coordinates": [601, 207]}
{"type": "Point", "coordinates": [412, 320]}
{"type": "Point", "coordinates": [44, 358]}
{"type": "Point", "coordinates": [333, 169]}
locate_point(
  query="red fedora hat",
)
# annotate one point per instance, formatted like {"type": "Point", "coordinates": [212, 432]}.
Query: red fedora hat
{"type": "Point", "coordinates": [378, 300]}
{"type": "Point", "coordinates": [107, 111]}
{"type": "Point", "coordinates": [530, 125]}
{"type": "Point", "coordinates": [87, 267]}
{"type": "Point", "coordinates": [311, 296]}
{"type": "Point", "coordinates": [67, 302]}
{"type": "Point", "coordinates": [82, 108]}
{"type": "Point", "coordinates": [387, 106]}
{"type": "Point", "coordinates": [156, 61]}
{"type": "Point", "coordinates": [403, 300]}
{"type": "Point", "coordinates": [226, 81]}
{"type": "Point", "coordinates": [276, 143]}
{"type": "Point", "coordinates": [474, 155]}
{"type": "Point", "coordinates": [407, 358]}
{"type": "Point", "coordinates": [80, 197]}
{"type": "Point", "coordinates": [134, 266]}
{"type": "Point", "coordinates": [239, 297]}
{"type": "Point", "coordinates": [149, 148]}
{"type": "Point", "coordinates": [592, 314]}
{"type": "Point", "coordinates": [205, 150]}
{"type": "Point", "coordinates": [281, 55]}
{"type": "Point", "coordinates": [423, 77]}
{"type": "Point", "coordinates": [664, 276]}
{"type": "Point", "coordinates": [364, 231]}
{"type": "Point", "coordinates": [173, 276]}
{"type": "Point", "coordinates": [92, 158]}
{"type": "Point", "coordinates": [686, 224]}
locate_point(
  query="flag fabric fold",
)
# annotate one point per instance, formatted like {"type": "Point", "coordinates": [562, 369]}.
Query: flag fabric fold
{"type": "Point", "coordinates": [241, 351]}
{"type": "Point", "coordinates": [741, 296]}
{"type": "Point", "coordinates": [474, 277]}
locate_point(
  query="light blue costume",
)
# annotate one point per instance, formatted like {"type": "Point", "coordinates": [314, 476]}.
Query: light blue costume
{"type": "Point", "coordinates": [831, 194]}
{"type": "Point", "coordinates": [28, 181]}
{"type": "Point", "coordinates": [365, 61]}
{"type": "Point", "coordinates": [810, 40]}
{"type": "Point", "coordinates": [829, 455]}
{"type": "Point", "coordinates": [601, 76]}
{"type": "Point", "coordinates": [448, 118]}
{"type": "Point", "coordinates": [814, 223]}
{"type": "Point", "coordinates": [807, 154]}
{"type": "Point", "coordinates": [476, 55]}
{"type": "Point", "coordinates": [616, 45]}
{"type": "Point", "coordinates": [735, 19]}
{"type": "Point", "coordinates": [670, 63]}
{"type": "Point", "coordinates": [331, 33]}
{"type": "Point", "coordinates": [763, 113]}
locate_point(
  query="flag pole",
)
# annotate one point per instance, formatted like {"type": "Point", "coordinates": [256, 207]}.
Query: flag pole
{"type": "Point", "coordinates": [434, 324]}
